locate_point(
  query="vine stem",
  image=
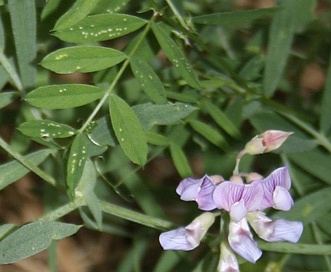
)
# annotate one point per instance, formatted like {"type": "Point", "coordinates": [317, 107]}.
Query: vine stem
{"type": "Point", "coordinates": [108, 208]}
{"type": "Point", "coordinates": [119, 74]}
{"type": "Point", "coordinates": [134, 216]}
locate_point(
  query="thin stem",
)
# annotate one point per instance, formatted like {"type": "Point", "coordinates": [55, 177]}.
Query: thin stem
{"type": "Point", "coordinates": [323, 141]}
{"type": "Point", "coordinates": [62, 211]}
{"type": "Point", "coordinates": [134, 216]}
{"type": "Point", "coordinates": [34, 168]}
{"type": "Point", "coordinates": [236, 168]}
{"type": "Point", "coordinates": [177, 14]}
{"type": "Point", "coordinates": [119, 75]}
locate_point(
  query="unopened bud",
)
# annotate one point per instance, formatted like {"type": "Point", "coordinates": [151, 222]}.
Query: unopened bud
{"type": "Point", "coordinates": [266, 142]}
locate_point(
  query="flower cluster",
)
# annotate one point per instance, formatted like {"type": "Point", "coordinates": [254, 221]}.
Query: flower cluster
{"type": "Point", "coordinates": [245, 203]}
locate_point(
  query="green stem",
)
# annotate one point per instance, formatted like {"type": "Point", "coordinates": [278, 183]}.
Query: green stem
{"type": "Point", "coordinates": [134, 216]}
{"type": "Point", "coordinates": [177, 14]}
{"type": "Point", "coordinates": [119, 75]}
{"type": "Point", "coordinates": [27, 163]}
{"type": "Point", "coordinates": [323, 141]}
{"type": "Point", "coordinates": [62, 211]}
{"type": "Point", "coordinates": [11, 71]}
{"type": "Point", "coordinates": [284, 247]}
{"type": "Point", "coordinates": [236, 168]}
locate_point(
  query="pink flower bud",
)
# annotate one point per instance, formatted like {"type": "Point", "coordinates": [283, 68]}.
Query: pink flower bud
{"type": "Point", "coordinates": [266, 142]}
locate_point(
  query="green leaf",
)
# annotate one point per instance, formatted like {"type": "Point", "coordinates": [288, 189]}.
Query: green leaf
{"type": "Point", "coordinates": [210, 134]}
{"type": "Point", "coordinates": [83, 59]}
{"type": "Point", "coordinates": [314, 162]}
{"type": "Point", "coordinates": [166, 114]}
{"type": "Point", "coordinates": [221, 119]}
{"type": "Point", "coordinates": [77, 12]}
{"type": "Point", "coordinates": [233, 17]}
{"type": "Point", "coordinates": [32, 239]}
{"type": "Point", "coordinates": [304, 14]}
{"type": "Point", "coordinates": [85, 188]}
{"type": "Point", "coordinates": [149, 80]}
{"type": "Point", "coordinates": [175, 55]}
{"type": "Point", "coordinates": [102, 133]}
{"type": "Point", "coordinates": [309, 208]}
{"type": "Point", "coordinates": [23, 21]}
{"type": "Point", "coordinates": [156, 139]}
{"type": "Point", "coordinates": [12, 171]}
{"type": "Point", "coordinates": [6, 98]}
{"type": "Point", "coordinates": [63, 96]}
{"type": "Point", "coordinates": [114, 6]}
{"type": "Point", "coordinates": [279, 44]}
{"type": "Point", "coordinates": [76, 162]}
{"type": "Point", "coordinates": [325, 123]}
{"type": "Point", "coordinates": [5, 228]}
{"type": "Point", "coordinates": [128, 130]}
{"type": "Point", "coordinates": [180, 161]}
{"type": "Point", "coordinates": [46, 129]}
{"type": "Point", "coordinates": [100, 27]}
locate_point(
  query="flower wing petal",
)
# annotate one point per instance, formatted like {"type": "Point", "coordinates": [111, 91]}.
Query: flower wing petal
{"type": "Point", "coordinates": [176, 240]}
{"type": "Point", "coordinates": [205, 196]}
{"type": "Point", "coordinates": [189, 188]}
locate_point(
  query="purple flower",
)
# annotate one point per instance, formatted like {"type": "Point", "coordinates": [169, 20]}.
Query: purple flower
{"type": "Point", "coordinates": [241, 241]}
{"type": "Point", "coordinates": [275, 189]}
{"type": "Point", "coordinates": [189, 237]}
{"type": "Point", "coordinates": [238, 199]}
{"type": "Point", "coordinates": [243, 202]}
{"type": "Point", "coordinates": [275, 231]}
{"type": "Point", "coordinates": [199, 190]}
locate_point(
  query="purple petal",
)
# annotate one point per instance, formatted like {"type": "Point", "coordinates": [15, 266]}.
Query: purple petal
{"type": "Point", "coordinates": [205, 196]}
{"type": "Point", "coordinates": [282, 199]}
{"type": "Point", "coordinates": [280, 177]}
{"type": "Point", "coordinates": [226, 194]}
{"type": "Point", "coordinates": [189, 188]}
{"type": "Point", "coordinates": [176, 240]}
{"type": "Point", "coordinates": [241, 241]}
{"type": "Point", "coordinates": [253, 195]}
{"type": "Point", "coordinates": [283, 230]}
{"type": "Point", "coordinates": [187, 238]}
{"type": "Point", "coordinates": [275, 231]}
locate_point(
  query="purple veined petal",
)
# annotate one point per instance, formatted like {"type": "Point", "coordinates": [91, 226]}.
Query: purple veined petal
{"type": "Point", "coordinates": [280, 177]}
{"type": "Point", "coordinates": [275, 231]}
{"type": "Point", "coordinates": [241, 241]}
{"type": "Point", "coordinates": [238, 211]}
{"type": "Point", "coordinates": [284, 230]}
{"type": "Point", "coordinates": [205, 196]}
{"type": "Point", "coordinates": [189, 237]}
{"type": "Point", "coordinates": [189, 188]}
{"type": "Point", "coordinates": [176, 240]}
{"type": "Point", "coordinates": [253, 195]}
{"type": "Point", "coordinates": [282, 199]}
{"type": "Point", "coordinates": [226, 194]}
